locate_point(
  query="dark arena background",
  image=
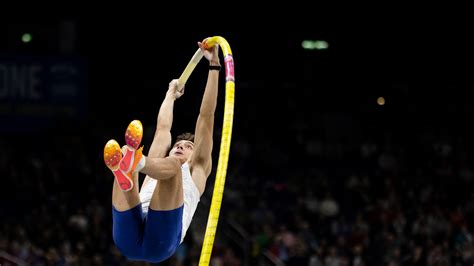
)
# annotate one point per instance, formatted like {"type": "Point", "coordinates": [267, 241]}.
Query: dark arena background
{"type": "Point", "coordinates": [352, 141]}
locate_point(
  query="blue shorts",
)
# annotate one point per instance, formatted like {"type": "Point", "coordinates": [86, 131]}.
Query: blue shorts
{"type": "Point", "coordinates": [153, 237]}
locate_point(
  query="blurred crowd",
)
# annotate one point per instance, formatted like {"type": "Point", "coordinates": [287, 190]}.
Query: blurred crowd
{"type": "Point", "coordinates": [386, 199]}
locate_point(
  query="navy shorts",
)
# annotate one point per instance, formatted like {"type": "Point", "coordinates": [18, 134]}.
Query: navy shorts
{"type": "Point", "coordinates": [153, 237]}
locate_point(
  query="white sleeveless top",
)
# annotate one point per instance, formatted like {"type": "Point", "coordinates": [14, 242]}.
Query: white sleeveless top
{"type": "Point", "coordinates": [191, 197]}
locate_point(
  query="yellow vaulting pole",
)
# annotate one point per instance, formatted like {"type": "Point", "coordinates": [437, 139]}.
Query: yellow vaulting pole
{"type": "Point", "coordinates": [218, 192]}
{"type": "Point", "coordinates": [189, 68]}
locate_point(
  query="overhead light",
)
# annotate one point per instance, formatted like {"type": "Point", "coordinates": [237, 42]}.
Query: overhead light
{"type": "Point", "coordinates": [381, 101]}
{"type": "Point", "coordinates": [314, 45]}
{"type": "Point", "coordinates": [26, 37]}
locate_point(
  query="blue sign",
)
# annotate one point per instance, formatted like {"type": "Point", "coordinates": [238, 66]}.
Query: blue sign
{"type": "Point", "coordinates": [37, 90]}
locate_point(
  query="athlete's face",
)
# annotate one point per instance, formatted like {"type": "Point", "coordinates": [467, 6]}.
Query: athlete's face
{"type": "Point", "coordinates": [182, 150]}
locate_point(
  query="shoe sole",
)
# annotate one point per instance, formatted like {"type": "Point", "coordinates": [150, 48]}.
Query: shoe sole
{"type": "Point", "coordinates": [134, 134]}
{"type": "Point", "coordinates": [112, 158]}
{"type": "Point", "coordinates": [133, 138]}
{"type": "Point", "coordinates": [112, 154]}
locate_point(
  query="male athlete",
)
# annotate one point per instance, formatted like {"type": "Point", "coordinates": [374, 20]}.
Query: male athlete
{"type": "Point", "coordinates": [149, 225]}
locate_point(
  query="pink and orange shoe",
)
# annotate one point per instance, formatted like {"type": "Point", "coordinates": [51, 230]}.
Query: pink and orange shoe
{"type": "Point", "coordinates": [123, 162]}
{"type": "Point", "coordinates": [131, 153]}
{"type": "Point", "coordinates": [112, 158]}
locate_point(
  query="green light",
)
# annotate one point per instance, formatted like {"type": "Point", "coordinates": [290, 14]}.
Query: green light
{"type": "Point", "coordinates": [321, 45]}
{"type": "Point", "coordinates": [312, 45]}
{"type": "Point", "coordinates": [26, 37]}
{"type": "Point", "coordinates": [307, 45]}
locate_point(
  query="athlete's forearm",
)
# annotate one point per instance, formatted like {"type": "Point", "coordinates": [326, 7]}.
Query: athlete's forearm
{"type": "Point", "coordinates": [165, 115]}
{"type": "Point", "coordinates": [209, 100]}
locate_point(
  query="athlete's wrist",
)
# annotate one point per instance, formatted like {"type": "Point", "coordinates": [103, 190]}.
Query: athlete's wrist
{"type": "Point", "coordinates": [214, 63]}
